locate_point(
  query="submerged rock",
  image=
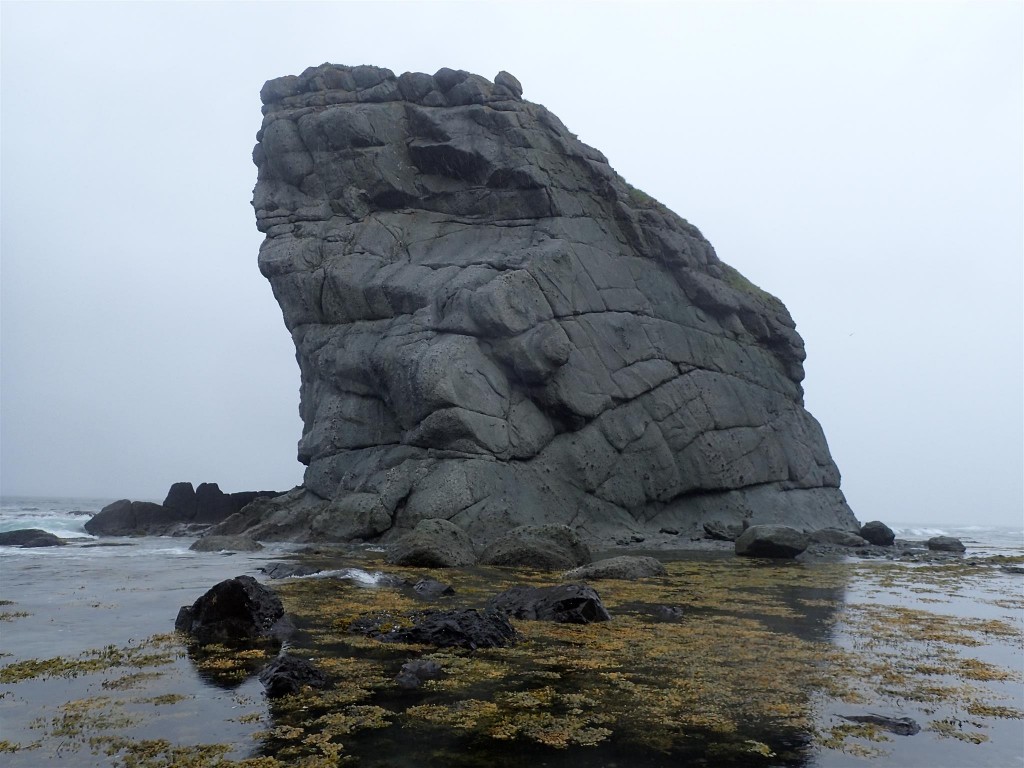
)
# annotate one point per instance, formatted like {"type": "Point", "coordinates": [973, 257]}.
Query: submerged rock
{"type": "Point", "coordinates": [771, 541]}
{"type": "Point", "coordinates": [565, 604]}
{"type": "Point", "coordinates": [494, 328]}
{"type": "Point", "coordinates": [235, 610]}
{"type": "Point", "coordinates": [414, 673]}
{"type": "Point", "coordinates": [901, 726]}
{"type": "Point", "coordinates": [29, 538]}
{"type": "Point", "coordinates": [226, 544]}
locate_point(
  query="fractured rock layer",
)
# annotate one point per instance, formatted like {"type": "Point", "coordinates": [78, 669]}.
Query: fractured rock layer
{"type": "Point", "coordinates": [494, 328]}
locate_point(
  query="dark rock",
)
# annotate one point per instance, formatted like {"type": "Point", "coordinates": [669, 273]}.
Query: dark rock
{"type": "Point", "coordinates": [625, 567]}
{"type": "Point", "coordinates": [468, 628]}
{"type": "Point", "coordinates": [131, 518]}
{"type": "Point", "coordinates": [878, 533]}
{"type": "Point", "coordinates": [414, 673]}
{"type": "Point", "coordinates": [945, 544]}
{"type": "Point", "coordinates": [432, 589]}
{"type": "Point", "coordinates": [668, 613]}
{"type": "Point", "coordinates": [286, 570]}
{"type": "Point", "coordinates": [669, 531]}
{"type": "Point", "coordinates": [235, 610]}
{"type": "Point", "coordinates": [212, 504]}
{"type": "Point", "coordinates": [570, 352]}
{"type": "Point", "coordinates": [30, 537]}
{"type": "Point", "coordinates": [433, 544]}
{"type": "Point", "coordinates": [226, 544]}
{"type": "Point", "coordinates": [901, 726]}
{"type": "Point", "coordinates": [716, 529]}
{"type": "Point", "coordinates": [182, 499]}
{"type": "Point", "coordinates": [771, 541]}
{"type": "Point", "coordinates": [539, 547]}
{"type": "Point", "coordinates": [1012, 568]}
{"type": "Point", "coordinates": [837, 537]}
{"type": "Point", "coordinates": [288, 674]}
{"type": "Point", "coordinates": [565, 604]}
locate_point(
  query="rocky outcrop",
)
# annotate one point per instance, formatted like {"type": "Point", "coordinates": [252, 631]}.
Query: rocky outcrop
{"type": "Point", "coordinates": [185, 511]}
{"type": "Point", "coordinates": [494, 328]}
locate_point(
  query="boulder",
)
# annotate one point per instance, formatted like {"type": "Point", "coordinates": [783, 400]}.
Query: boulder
{"type": "Point", "coordinates": [838, 538]}
{"type": "Point", "coordinates": [565, 604]}
{"type": "Point", "coordinates": [719, 531]}
{"type": "Point", "coordinates": [494, 328]}
{"type": "Point", "coordinates": [433, 544]}
{"type": "Point", "coordinates": [538, 547]}
{"type": "Point", "coordinates": [226, 544]}
{"type": "Point", "coordinates": [289, 674]}
{"type": "Point", "coordinates": [432, 589]}
{"type": "Point", "coordinates": [29, 538]}
{"type": "Point", "coordinates": [627, 567]}
{"type": "Point", "coordinates": [414, 673]}
{"type": "Point", "coordinates": [287, 570]}
{"type": "Point", "coordinates": [771, 541]}
{"type": "Point", "coordinates": [466, 628]}
{"type": "Point", "coordinates": [131, 518]}
{"type": "Point", "coordinates": [878, 533]}
{"type": "Point", "coordinates": [234, 611]}
{"type": "Point", "coordinates": [945, 544]}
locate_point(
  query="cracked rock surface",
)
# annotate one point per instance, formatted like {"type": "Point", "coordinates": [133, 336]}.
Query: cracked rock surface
{"type": "Point", "coordinates": [495, 329]}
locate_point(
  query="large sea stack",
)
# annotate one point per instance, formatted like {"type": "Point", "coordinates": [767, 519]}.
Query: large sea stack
{"type": "Point", "coordinates": [494, 328]}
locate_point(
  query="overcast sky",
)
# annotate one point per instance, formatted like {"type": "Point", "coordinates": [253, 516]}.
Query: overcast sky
{"type": "Point", "coordinates": [860, 160]}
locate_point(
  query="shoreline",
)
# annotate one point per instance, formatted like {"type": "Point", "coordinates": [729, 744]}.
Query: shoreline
{"type": "Point", "coordinates": [802, 615]}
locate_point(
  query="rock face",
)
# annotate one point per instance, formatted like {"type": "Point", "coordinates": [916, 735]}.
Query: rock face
{"type": "Point", "coordinates": [494, 328]}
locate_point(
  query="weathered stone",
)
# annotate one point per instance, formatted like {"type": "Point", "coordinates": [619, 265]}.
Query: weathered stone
{"type": "Point", "coordinates": [414, 673]}
{"type": "Point", "coordinates": [945, 544]}
{"type": "Point", "coordinates": [467, 628]}
{"type": "Point", "coordinates": [286, 675]}
{"type": "Point", "coordinates": [878, 533]}
{"type": "Point", "coordinates": [494, 328]}
{"type": "Point", "coordinates": [716, 529]}
{"type": "Point", "coordinates": [433, 544]}
{"type": "Point", "coordinates": [901, 726]}
{"type": "Point", "coordinates": [627, 567]}
{"type": "Point", "coordinates": [287, 570]}
{"type": "Point", "coordinates": [29, 538]}
{"type": "Point", "coordinates": [432, 589]}
{"type": "Point", "coordinates": [540, 547]}
{"type": "Point", "coordinates": [233, 611]}
{"type": "Point", "coordinates": [840, 538]}
{"type": "Point", "coordinates": [565, 604]}
{"type": "Point", "coordinates": [771, 541]}
{"type": "Point", "coordinates": [226, 544]}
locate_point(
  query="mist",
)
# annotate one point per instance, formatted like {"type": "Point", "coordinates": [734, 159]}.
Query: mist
{"type": "Point", "coordinates": [861, 161]}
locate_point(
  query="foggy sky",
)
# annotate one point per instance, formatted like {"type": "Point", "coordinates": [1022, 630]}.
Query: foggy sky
{"type": "Point", "coordinates": [862, 161]}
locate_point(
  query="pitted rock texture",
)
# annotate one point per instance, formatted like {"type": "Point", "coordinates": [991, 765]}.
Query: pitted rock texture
{"type": "Point", "coordinates": [494, 328]}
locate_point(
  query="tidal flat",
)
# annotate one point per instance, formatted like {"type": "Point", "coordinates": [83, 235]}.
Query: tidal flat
{"type": "Point", "coordinates": [723, 662]}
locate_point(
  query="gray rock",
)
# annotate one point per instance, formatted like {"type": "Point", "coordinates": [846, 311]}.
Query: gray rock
{"type": "Point", "coordinates": [945, 544]}
{"type": "Point", "coordinates": [564, 604]}
{"type": "Point", "coordinates": [240, 543]}
{"type": "Point", "coordinates": [132, 518]}
{"type": "Point", "coordinates": [29, 538]}
{"type": "Point", "coordinates": [719, 531]}
{"type": "Point", "coordinates": [878, 533]}
{"type": "Point", "coordinates": [236, 610]}
{"type": "Point", "coordinates": [627, 567]}
{"type": "Point", "coordinates": [840, 538]}
{"type": "Point", "coordinates": [771, 541]}
{"type": "Point", "coordinates": [433, 544]}
{"type": "Point", "coordinates": [539, 547]}
{"type": "Point", "coordinates": [494, 328]}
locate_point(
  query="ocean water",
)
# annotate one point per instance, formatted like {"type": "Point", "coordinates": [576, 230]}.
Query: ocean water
{"type": "Point", "coordinates": [96, 593]}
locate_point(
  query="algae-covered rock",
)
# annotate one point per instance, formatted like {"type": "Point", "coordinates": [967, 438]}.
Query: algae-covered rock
{"type": "Point", "coordinates": [565, 604]}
